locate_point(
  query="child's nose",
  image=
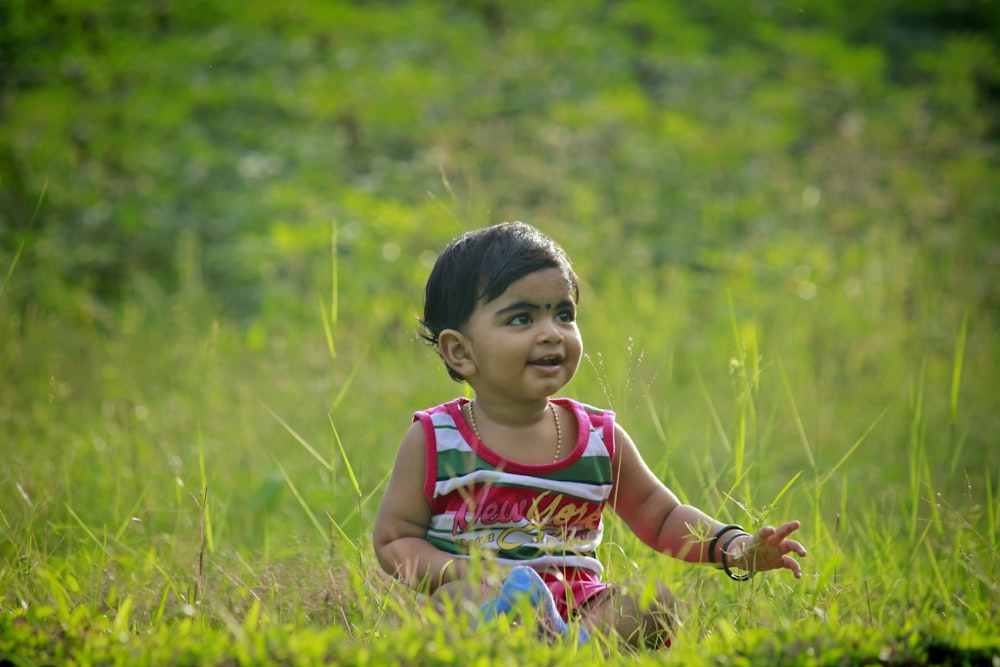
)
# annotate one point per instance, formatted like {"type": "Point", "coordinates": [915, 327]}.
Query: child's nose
{"type": "Point", "coordinates": [550, 333]}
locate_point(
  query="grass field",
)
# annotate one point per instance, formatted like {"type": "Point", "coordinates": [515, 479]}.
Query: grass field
{"type": "Point", "coordinates": [178, 489]}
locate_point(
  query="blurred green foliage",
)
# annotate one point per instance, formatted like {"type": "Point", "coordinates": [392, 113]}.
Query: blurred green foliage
{"type": "Point", "coordinates": [717, 137]}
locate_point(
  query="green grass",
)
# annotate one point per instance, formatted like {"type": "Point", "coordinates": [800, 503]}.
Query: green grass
{"type": "Point", "coordinates": [180, 489]}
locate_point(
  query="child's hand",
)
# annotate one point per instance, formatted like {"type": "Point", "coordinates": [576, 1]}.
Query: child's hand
{"type": "Point", "coordinates": [771, 550]}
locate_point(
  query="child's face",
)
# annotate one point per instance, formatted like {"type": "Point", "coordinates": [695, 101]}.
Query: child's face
{"type": "Point", "coordinates": [525, 344]}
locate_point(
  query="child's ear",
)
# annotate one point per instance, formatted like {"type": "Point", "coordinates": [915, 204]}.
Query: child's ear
{"type": "Point", "coordinates": [454, 349]}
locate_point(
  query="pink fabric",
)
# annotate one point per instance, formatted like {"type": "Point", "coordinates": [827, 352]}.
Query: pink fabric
{"type": "Point", "coordinates": [572, 588]}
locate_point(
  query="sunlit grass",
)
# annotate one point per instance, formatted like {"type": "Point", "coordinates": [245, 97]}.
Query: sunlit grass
{"type": "Point", "coordinates": [229, 517]}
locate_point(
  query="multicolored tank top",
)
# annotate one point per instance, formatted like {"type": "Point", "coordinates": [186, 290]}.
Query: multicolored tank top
{"type": "Point", "coordinates": [546, 516]}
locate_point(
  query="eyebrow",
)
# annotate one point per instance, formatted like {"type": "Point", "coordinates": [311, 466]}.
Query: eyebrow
{"type": "Point", "coordinates": [527, 305]}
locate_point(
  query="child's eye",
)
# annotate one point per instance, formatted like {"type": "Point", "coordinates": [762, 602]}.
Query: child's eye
{"type": "Point", "coordinates": [567, 316]}
{"type": "Point", "coordinates": [523, 318]}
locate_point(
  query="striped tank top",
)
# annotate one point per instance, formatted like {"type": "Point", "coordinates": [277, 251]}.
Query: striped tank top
{"type": "Point", "coordinates": [545, 516]}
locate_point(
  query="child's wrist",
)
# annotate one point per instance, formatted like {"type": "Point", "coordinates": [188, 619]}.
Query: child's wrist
{"type": "Point", "coordinates": [735, 550]}
{"type": "Point", "coordinates": [738, 553]}
{"type": "Point", "coordinates": [717, 544]}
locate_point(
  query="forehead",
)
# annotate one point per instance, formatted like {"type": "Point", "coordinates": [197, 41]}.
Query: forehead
{"type": "Point", "coordinates": [551, 285]}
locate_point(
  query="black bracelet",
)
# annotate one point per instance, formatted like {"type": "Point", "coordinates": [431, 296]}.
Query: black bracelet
{"type": "Point", "coordinates": [725, 561]}
{"type": "Point", "coordinates": [715, 539]}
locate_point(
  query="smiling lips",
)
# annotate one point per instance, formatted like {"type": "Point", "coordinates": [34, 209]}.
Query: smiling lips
{"type": "Point", "coordinates": [552, 362]}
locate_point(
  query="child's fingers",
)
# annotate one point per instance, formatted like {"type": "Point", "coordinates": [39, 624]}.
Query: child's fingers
{"type": "Point", "coordinates": [793, 565]}
{"type": "Point", "coordinates": [786, 529]}
{"type": "Point", "coordinates": [776, 535]}
{"type": "Point", "coordinates": [792, 545]}
{"type": "Point", "coordinates": [774, 550]}
{"type": "Point", "coordinates": [765, 533]}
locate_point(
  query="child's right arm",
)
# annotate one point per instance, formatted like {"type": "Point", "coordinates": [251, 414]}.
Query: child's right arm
{"type": "Point", "coordinates": [400, 535]}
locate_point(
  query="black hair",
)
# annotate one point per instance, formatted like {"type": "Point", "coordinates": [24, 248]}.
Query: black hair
{"type": "Point", "coordinates": [479, 266]}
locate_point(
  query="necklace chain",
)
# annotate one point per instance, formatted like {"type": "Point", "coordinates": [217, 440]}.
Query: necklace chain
{"type": "Point", "coordinates": [555, 417]}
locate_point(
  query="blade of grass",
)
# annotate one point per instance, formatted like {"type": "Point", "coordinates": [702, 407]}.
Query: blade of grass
{"type": "Point", "coordinates": [169, 585]}
{"type": "Point", "coordinates": [86, 529]}
{"type": "Point", "coordinates": [302, 501]}
{"type": "Point", "coordinates": [957, 447]}
{"type": "Point", "coordinates": [327, 329]}
{"type": "Point", "coordinates": [916, 544]}
{"type": "Point", "coordinates": [253, 615]}
{"type": "Point", "coordinates": [784, 489]}
{"type": "Point", "coordinates": [957, 439]}
{"type": "Point", "coordinates": [661, 434]}
{"type": "Point", "coordinates": [764, 437]}
{"type": "Point", "coordinates": [343, 455]}
{"type": "Point", "coordinates": [121, 620]}
{"type": "Point", "coordinates": [330, 318]}
{"type": "Point", "coordinates": [739, 448]}
{"type": "Point", "coordinates": [455, 217]}
{"type": "Point", "coordinates": [363, 502]}
{"type": "Point", "coordinates": [932, 495]}
{"type": "Point", "coordinates": [731, 497]}
{"type": "Point", "coordinates": [354, 482]}
{"type": "Point", "coordinates": [206, 514]}
{"type": "Point", "coordinates": [991, 517]}
{"type": "Point", "coordinates": [797, 416]}
{"type": "Point", "coordinates": [130, 517]}
{"type": "Point", "coordinates": [302, 441]}
{"type": "Point", "coordinates": [917, 429]}
{"type": "Point", "coordinates": [95, 593]}
{"type": "Point", "coordinates": [20, 246]}
{"type": "Point", "coordinates": [343, 534]}
{"type": "Point", "coordinates": [850, 451]}
{"type": "Point", "coordinates": [334, 275]}
{"type": "Point", "coordinates": [58, 591]}
{"type": "Point", "coordinates": [956, 371]}
{"type": "Point", "coordinates": [202, 544]}
{"type": "Point", "coordinates": [367, 499]}
{"type": "Point", "coordinates": [719, 428]}
{"type": "Point", "coordinates": [737, 339]}
{"type": "Point", "coordinates": [162, 605]}
{"type": "Point", "coordinates": [350, 378]}
{"type": "Point", "coordinates": [746, 370]}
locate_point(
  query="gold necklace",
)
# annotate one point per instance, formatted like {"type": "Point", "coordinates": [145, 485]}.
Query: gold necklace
{"type": "Point", "coordinates": [555, 417]}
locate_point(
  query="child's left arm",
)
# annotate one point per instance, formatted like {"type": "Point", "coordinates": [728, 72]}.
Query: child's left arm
{"type": "Point", "coordinates": [659, 519]}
